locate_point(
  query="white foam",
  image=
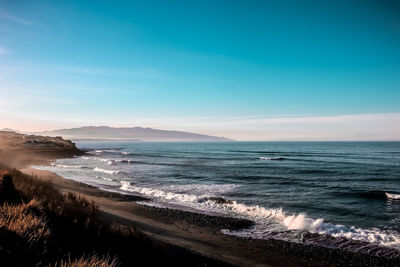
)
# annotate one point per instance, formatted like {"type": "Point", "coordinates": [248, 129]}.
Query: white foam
{"type": "Point", "coordinates": [267, 220]}
{"type": "Point", "coordinates": [201, 189]}
{"type": "Point", "coordinates": [101, 159]}
{"type": "Point", "coordinates": [105, 171]}
{"type": "Point", "coordinates": [125, 185]}
{"type": "Point", "coordinates": [66, 166]}
{"type": "Point", "coordinates": [301, 222]}
{"type": "Point", "coordinates": [94, 158]}
{"type": "Point", "coordinates": [105, 178]}
{"type": "Point", "coordinates": [100, 151]}
{"type": "Point", "coordinates": [109, 161]}
{"type": "Point", "coordinates": [186, 195]}
{"type": "Point", "coordinates": [393, 196]}
{"type": "Point", "coordinates": [374, 235]}
{"type": "Point", "coordinates": [158, 193]}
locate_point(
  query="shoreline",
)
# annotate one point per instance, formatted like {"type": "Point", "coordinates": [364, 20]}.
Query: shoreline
{"type": "Point", "coordinates": [174, 227]}
{"type": "Point", "coordinates": [202, 234]}
{"type": "Point", "coordinates": [198, 233]}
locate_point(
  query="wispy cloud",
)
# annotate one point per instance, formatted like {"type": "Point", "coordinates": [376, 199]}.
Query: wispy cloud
{"type": "Point", "coordinates": [375, 126]}
{"type": "Point", "coordinates": [10, 17]}
{"type": "Point", "coordinates": [139, 72]}
{"type": "Point", "coordinates": [360, 127]}
{"type": "Point", "coordinates": [19, 98]}
{"type": "Point", "coordinates": [145, 72]}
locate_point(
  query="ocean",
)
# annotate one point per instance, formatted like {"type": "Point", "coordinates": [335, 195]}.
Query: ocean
{"type": "Point", "coordinates": [348, 190]}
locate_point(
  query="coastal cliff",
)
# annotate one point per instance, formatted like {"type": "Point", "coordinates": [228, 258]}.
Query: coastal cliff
{"type": "Point", "coordinates": [17, 149]}
{"type": "Point", "coordinates": [13, 140]}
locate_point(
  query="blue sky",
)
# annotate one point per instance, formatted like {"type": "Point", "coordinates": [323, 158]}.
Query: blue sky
{"type": "Point", "coordinates": [251, 70]}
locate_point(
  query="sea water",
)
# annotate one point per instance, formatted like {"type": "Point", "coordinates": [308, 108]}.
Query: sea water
{"type": "Point", "coordinates": [346, 190]}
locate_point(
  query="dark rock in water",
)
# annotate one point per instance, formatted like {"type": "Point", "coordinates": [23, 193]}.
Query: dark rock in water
{"type": "Point", "coordinates": [126, 161]}
{"type": "Point", "coordinates": [218, 200]}
{"type": "Point", "coordinates": [280, 158]}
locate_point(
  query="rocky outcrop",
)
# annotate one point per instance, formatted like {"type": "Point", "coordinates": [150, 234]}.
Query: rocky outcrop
{"type": "Point", "coordinates": [37, 143]}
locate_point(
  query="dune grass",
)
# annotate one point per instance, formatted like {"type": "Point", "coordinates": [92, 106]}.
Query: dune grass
{"type": "Point", "coordinates": [49, 225]}
{"type": "Point", "coordinates": [53, 229]}
{"type": "Point", "coordinates": [93, 261]}
{"type": "Point", "coordinates": [26, 220]}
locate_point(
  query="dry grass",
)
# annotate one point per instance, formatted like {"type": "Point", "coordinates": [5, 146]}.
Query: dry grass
{"type": "Point", "coordinates": [93, 261]}
{"type": "Point", "coordinates": [25, 220]}
{"type": "Point", "coordinates": [39, 226]}
{"type": "Point", "coordinates": [76, 208]}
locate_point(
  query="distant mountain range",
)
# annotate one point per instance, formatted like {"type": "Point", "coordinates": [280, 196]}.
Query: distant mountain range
{"type": "Point", "coordinates": [105, 133]}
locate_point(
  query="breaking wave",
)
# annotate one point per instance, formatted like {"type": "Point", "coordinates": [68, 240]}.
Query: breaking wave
{"type": "Point", "coordinates": [103, 151]}
{"type": "Point", "coordinates": [393, 196]}
{"type": "Point", "coordinates": [181, 193]}
{"type": "Point", "coordinates": [263, 216]}
{"type": "Point", "coordinates": [260, 183]}
{"type": "Point", "coordinates": [105, 171]}
{"type": "Point", "coordinates": [109, 161]}
{"type": "Point", "coordinates": [67, 166]}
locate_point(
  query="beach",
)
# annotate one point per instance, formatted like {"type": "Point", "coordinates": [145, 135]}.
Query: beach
{"type": "Point", "coordinates": [199, 233]}
{"type": "Point", "coordinates": [177, 228]}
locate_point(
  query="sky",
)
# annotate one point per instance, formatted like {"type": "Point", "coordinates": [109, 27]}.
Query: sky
{"type": "Point", "coordinates": [248, 70]}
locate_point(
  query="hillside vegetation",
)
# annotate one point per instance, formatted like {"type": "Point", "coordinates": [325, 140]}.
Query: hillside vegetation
{"type": "Point", "coordinates": [53, 229]}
